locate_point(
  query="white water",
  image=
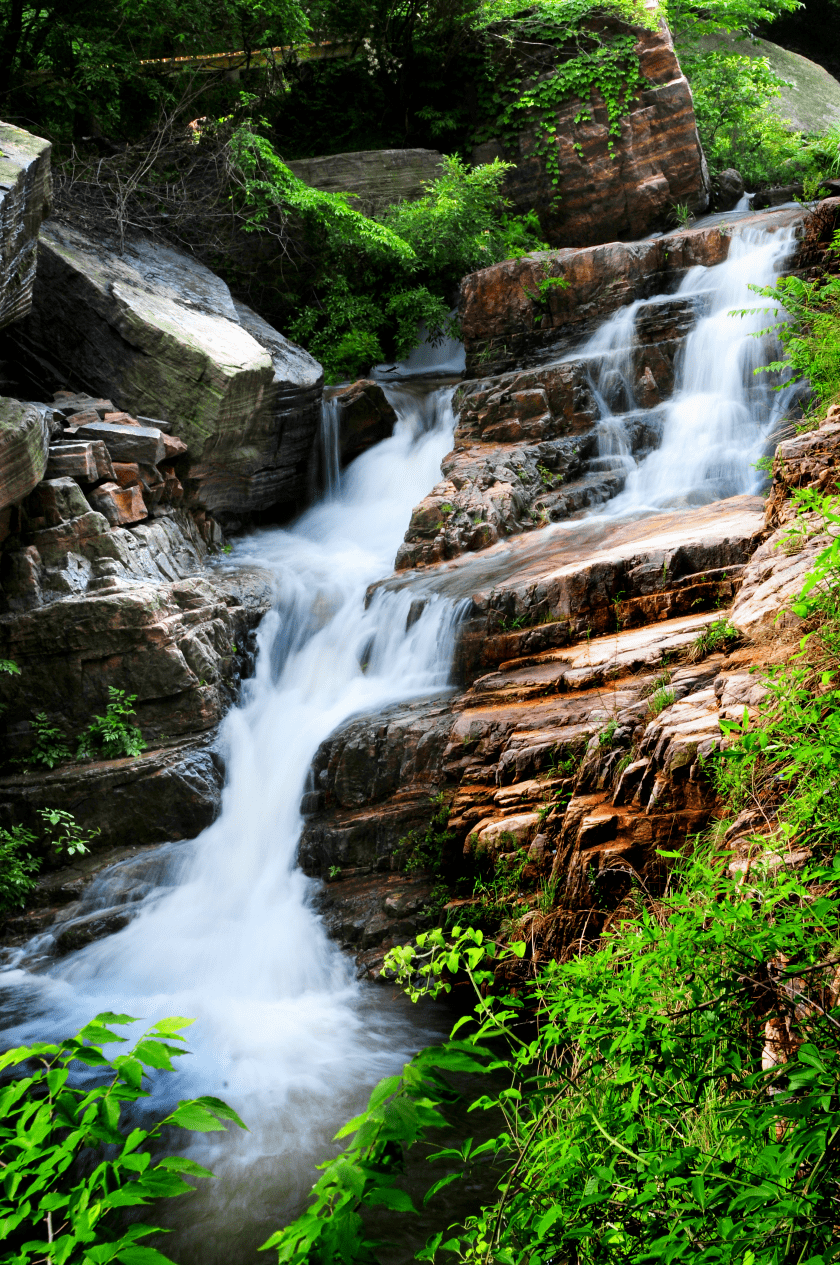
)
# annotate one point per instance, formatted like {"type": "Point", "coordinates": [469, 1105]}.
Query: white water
{"type": "Point", "coordinates": [284, 1033]}
{"type": "Point", "coordinates": [722, 415]}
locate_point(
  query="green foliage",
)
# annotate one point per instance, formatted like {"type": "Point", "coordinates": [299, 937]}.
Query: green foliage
{"type": "Point", "coordinates": [111, 736]}
{"type": "Point", "coordinates": [50, 745]}
{"type": "Point", "coordinates": [424, 852]}
{"type": "Point", "coordinates": [18, 867]}
{"type": "Point", "coordinates": [71, 63]}
{"type": "Point", "coordinates": [692, 18]}
{"type": "Point", "coordinates": [721, 635]}
{"type": "Point", "coordinates": [732, 94]}
{"type": "Point", "coordinates": [9, 668]}
{"type": "Point", "coordinates": [65, 836]}
{"type": "Point", "coordinates": [72, 1164]}
{"type": "Point", "coordinates": [378, 283]}
{"type": "Point", "coordinates": [660, 699]}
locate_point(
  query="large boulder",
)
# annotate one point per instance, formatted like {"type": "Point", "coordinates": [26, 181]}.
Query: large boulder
{"type": "Point", "coordinates": [24, 198]}
{"type": "Point", "coordinates": [375, 177]}
{"type": "Point", "coordinates": [159, 334]}
{"type": "Point", "coordinates": [24, 447]}
{"type": "Point", "coordinates": [612, 187]}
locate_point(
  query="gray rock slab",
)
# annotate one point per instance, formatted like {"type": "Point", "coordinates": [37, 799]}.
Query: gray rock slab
{"type": "Point", "coordinates": [24, 199]}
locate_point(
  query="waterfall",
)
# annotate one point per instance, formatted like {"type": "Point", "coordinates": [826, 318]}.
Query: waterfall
{"type": "Point", "coordinates": [230, 936]}
{"type": "Point", "coordinates": [721, 416]}
{"type": "Point", "coordinates": [284, 1032]}
{"type": "Point", "coordinates": [329, 446]}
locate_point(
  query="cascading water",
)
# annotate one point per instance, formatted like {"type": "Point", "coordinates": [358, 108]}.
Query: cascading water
{"type": "Point", "coordinates": [229, 935]}
{"type": "Point", "coordinates": [721, 415]}
{"type": "Point", "coordinates": [283, 1031]}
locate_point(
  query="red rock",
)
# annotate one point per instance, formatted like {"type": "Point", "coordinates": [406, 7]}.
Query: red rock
{"type": "Point", "coordinates": [85, 417]}
{"type": "Point", "coordinates": [173, 447]}
{"type": "Point", "coordinates": [126, 474]}
{"type": "Point", "coordinates": [120, 419]}
{"type": "Point", "coordinates": [120, 506]}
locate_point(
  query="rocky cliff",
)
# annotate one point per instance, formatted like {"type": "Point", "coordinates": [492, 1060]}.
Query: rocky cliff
{"type": "Point", "coordinates": [24, 201]}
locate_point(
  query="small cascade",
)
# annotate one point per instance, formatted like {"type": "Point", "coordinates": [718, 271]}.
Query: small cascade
{"type": "Point", "coordinates": [329, 447]}
{"type": "Point", "coordinates": [723, 413]}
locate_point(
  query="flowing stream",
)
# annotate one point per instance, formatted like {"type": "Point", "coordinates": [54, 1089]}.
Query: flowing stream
{"type": "Point", "coordinates": [227, 932]}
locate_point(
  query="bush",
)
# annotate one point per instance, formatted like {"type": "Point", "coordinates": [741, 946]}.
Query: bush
{"type": "Point", "coordinates": [72, 1164]}
{"type": "Point", "coordinates": [111, 736]}
{"type": "Point", "coordinates": [19, 868]}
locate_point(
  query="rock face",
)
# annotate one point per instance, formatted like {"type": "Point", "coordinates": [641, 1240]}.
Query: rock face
{"type": "Point", "coordinates": [24, 201]}
{"type": "Point", "coordinates": [507, 319]}
{"type": "Point", "coordinates": [376, 178]}
{"type": "Point", "coordinates": [617, 187]}
{"type": "Point", "coordinates": [160, 334]}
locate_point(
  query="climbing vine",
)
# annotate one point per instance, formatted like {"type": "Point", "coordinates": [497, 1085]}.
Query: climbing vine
{"type": "Point", "coordinates": [561, 55]}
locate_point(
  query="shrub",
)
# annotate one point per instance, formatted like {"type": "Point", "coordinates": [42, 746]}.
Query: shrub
{"type": "Point", "coordinates": [72, 1164]}
{"type": "Point", "coordinates": [19, 868]}
{"type": "Point", "coordinates": [50, 746]}
{"type": "Point", "coordinates": [111, 735]}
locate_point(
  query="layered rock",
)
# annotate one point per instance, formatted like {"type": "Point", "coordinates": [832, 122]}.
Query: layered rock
{"type": "Point", "coordinates": [611, 186]}
{"type": "Point", "coordinates": [161, 335]}
{"type": "Point", "coordinates": [24, 448]}
{"type": "Point", "coordinates": [375, 178]}
{"type": "Point", "coordinates": [24, 201]}
{"type": "Point", "coordinates": [511, 313]}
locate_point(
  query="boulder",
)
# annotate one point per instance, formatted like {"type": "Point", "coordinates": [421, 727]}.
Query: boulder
{"type": "Point", "coordinates": [24, 201]}
{"type": "Point", "coordinates": [161, 335]}
{"type": "Point", "coordinates": [728, 189]}
{"type": "Point", "coordinates": [24, 446]}
{"type": "Point", "coordinates": [375, 177]}
{"type": "Point", "coordinates": [612, 186]}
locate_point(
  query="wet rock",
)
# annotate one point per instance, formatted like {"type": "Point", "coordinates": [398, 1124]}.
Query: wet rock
{"type": "Point", "coordinates": [166, 793]}
{"type": "Point", "coordinates": [728, 189]}
{"type": "Point", "coordinates": [364, 418]}
{"type": "Point", "coordinates": [504, 326]}
{"type": "Point", "coordinates": [160, 335]}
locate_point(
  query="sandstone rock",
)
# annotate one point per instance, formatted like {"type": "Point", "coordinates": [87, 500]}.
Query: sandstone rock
{"type": "Point", "coordinates": [70, 404]}
{"type": "Point", "coordinates": [24, 201]}
{"type": "Point", "coordinates": [553, 587]}
{"type": "Point", "coordinates": [120, 505]}
{"type": "Point", "coordinates": [160, 332]}
{"type": "Point", "coordinates": [76, 461]}
{"type": "Point", "coordinates": [613, 187]}
{"type": "Point", "coordinates": [24, 445]}
{"type": "Point", "coordinates": [126, 473]}
{"type": "Point", "coordinates": [503, 326]}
